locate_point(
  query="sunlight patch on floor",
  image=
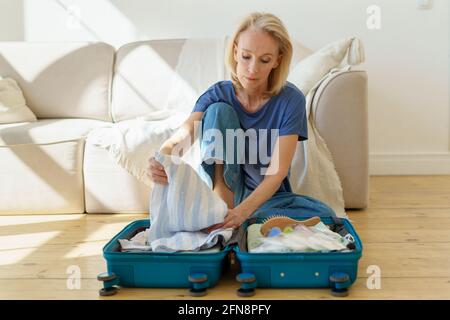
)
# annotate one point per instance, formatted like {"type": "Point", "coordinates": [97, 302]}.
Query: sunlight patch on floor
{"type": "Point", "coordinates": [15, 248]}
{"type": "Point", "coordinates": [86, 249]}
{"type": "Point", "coordinates": [92, 245]}
{"type": "Point", "coordinates": [21, 220]}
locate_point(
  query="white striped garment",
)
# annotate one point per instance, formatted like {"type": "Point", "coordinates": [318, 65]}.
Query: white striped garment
{"type": "Point", "coordinates": [179, 210]}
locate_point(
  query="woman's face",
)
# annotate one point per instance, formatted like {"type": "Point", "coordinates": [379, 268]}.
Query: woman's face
{"type": "Point", "coordinates": [256, 54]}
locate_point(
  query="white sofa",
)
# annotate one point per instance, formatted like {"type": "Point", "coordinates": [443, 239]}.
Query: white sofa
{"type": "Point", "coordinates": [48, 167]}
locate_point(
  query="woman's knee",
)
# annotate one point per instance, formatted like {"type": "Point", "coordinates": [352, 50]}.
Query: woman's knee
{"type": "Point", "coordinates": [222, 111]}
{"type": "Point", "coordinates": [219, 107]}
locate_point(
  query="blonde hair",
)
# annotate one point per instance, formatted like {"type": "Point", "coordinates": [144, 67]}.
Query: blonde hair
{"type": "Point", "coordinates": [273, 26]}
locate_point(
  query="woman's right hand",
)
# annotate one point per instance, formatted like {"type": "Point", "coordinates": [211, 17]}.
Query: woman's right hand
{"type": "Point", "coordinates": [156, 171]}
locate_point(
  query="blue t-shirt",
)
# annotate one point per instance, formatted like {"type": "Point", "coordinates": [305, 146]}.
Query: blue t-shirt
{"type": "Point", "coordinates": [284, 112]}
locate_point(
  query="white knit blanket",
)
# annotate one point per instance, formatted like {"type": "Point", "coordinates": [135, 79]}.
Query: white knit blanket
{"type": "Point", "coordinates": [312, 171]}
{"type": "Point", "coordinates": [132, 142]}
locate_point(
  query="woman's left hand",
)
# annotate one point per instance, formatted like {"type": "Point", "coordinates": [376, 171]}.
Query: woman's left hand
{"type": "Point", "coordinates": [234, 218]}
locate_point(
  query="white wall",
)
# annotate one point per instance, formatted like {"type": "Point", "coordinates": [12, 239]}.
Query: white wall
{"type": "Point", "coordinates": [407, 59]}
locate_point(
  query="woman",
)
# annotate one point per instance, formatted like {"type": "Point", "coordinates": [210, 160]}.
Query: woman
{"type": "Point", "coordinates": [260, 100]}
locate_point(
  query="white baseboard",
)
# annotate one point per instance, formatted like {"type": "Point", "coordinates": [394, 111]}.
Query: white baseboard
{"type": "Point", "coordinates": [410, 164]}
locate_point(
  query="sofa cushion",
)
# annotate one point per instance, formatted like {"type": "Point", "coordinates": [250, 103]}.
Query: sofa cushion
{"type": "Point", "coordinates": [300, 52]}
{"type": "Point", "coordinates": [42, 165]}
{"type": "Point", "coordinates": [42, 178]}
{"type": "Point", "coordinates": [143, 75]}
{"type": "Point", "coordinates": [61, 80]}
{"type": "Point", "coordinates": [109, 188]}
{"type": "Point", "coordinates": [46, 131]}
{"type": "Point", "coordinates": [12, 103]}
{"type": "Point", "coordinates": [309, 71]}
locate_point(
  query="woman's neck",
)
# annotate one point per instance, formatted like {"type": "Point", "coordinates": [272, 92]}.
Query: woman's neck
{"type": "Point", "coordinates": [251, 99]}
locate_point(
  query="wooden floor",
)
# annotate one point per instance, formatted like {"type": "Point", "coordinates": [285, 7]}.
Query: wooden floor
{"type": "Point", "coordinates": [405, 231]}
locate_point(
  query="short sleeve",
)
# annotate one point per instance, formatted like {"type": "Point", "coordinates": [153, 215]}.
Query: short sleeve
{"type": "Point", "coordinates": [209, 97]}
{"type": "Point", "coordinates": [294, 118]}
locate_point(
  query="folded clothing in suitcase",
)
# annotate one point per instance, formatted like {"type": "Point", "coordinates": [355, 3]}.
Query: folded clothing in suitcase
{"type": "Point", "coordinates": [301, 269]}
{"type": "Point", "coordinates": [158, 269]}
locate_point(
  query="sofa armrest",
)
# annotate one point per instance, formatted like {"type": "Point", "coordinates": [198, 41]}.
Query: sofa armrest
{"type": "Point", "coordinates": [341, 117]}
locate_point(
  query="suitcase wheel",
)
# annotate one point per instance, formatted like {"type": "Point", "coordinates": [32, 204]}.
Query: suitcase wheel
{"type": "Point", "coordinates": [110, 282]}
{"type": "Point", "coordinates": [339, 292]}
{"type": "Point", "coordinates": [248, 284]}
{"type": "Point", "coordinates": [108, 291]}
{"type": "Point", "coordinates": [340, 281]}
{"type": "Point", "coordinates": [199, 283]}
{"type": "Point", "coordinates": [197, 292]}
{"type": "Point", "coordinates": [245, 292]}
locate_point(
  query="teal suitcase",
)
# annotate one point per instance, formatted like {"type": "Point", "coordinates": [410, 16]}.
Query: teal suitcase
{"type": "Point", "coordinates": [197, 271]}
{"type": "Point", "coordinates": [335, 270]}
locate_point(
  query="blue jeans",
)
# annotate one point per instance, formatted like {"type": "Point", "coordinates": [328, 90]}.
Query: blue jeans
{"type": "Point", "coordinates": [221, 116]}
